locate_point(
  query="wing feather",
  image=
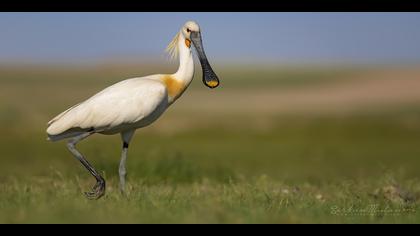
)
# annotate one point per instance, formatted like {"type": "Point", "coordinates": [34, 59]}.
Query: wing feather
{"type": "Point", "coordinates": [126, 102]}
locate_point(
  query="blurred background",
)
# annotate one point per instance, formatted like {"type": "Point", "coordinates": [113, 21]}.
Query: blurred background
{"type": "Point", "coordinates": [304, 97]}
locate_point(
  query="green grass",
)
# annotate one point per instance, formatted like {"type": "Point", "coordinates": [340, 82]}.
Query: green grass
{"type": "Point", "coordinates": [219, 168]}
{"type": "Point", "coordinates": [263, 200]}
{"type": "Point", "coordinates": [296, 172]}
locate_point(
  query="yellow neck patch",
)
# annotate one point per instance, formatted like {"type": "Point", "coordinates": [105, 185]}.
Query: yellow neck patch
{"type": "Point", "coordinates": [188, 43]}
{"type": "Point", "coordinates": [174, 87]}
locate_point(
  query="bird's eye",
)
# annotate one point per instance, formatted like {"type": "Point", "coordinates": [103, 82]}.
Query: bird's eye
{"type": "Point", "coordinates": [188, 30]}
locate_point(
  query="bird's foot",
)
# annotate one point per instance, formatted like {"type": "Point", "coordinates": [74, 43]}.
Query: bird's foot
{"type": "Point", "coordinates": [123, 193]}
{"type": "Point", "coordinates": [122, 190]}
{"type": "Point", "coordinates": [122, 187]}
{"type": "Point", "coordinates": [98, 190]}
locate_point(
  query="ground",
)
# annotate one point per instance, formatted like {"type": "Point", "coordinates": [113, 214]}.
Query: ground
{"type": "Point", "coordinates": [289, 145]}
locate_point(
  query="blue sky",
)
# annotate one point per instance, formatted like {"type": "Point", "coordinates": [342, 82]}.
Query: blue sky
{"type": "Point", "coordinates": [227, 37]}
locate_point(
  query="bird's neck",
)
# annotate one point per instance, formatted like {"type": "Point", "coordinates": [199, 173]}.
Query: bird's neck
{"type": "Point", "coordinates": [185, 71]}
{"type": "Point", "coordinates": [179, 81]}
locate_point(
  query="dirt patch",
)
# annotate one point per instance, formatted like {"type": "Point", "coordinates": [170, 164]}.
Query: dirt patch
{"type": "Point", "coordinates": [379, 90]}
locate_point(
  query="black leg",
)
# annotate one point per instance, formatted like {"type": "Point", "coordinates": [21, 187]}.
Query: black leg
{"type": "Point", "coordinates": [99, 189]}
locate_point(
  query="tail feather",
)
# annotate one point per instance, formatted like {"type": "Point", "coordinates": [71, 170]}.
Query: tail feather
{"type": "Point", "coordinates": [61, 114]}
{"type": "Point", "coordinates": [67, 134]}
{"type": "Point", "coordinates": [60, 127]}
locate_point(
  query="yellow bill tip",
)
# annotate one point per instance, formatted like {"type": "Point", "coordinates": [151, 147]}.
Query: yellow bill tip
{"type": "Point", "coordinates": [213, 83]}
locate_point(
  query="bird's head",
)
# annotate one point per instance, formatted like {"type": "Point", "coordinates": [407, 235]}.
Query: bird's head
{"type": "Point", "coordinates": [192, 33]}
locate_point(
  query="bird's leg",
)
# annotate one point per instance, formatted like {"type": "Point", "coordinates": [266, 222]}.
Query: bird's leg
{"type": "Point", "coordinates": [99, 189]}
{"type": "Point", "coordinates": [126, 137]}
{"type": "Point", "coordinates": [122, 170]}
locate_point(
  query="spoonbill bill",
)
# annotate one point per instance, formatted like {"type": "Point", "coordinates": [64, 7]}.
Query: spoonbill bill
{"type": "Point", "coordinates": [131, 104]}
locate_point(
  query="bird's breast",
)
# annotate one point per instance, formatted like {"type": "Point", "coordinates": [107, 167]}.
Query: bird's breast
{"type": "Point", "coordinates": [174, 87]}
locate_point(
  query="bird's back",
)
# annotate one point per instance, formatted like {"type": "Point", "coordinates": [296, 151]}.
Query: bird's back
{"type": "Point", "coordinates": [123, 104]}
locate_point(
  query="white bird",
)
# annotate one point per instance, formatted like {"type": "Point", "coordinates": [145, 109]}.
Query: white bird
{"type": "Point", "coordinates": [131, 104]}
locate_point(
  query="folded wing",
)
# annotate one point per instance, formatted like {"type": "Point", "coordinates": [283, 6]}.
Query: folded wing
{"type": "Point", "coordinates": [124, 103]}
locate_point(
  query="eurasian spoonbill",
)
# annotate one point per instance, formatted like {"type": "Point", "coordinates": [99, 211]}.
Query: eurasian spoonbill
{"type": "Point", "coordinates": [131, 104]}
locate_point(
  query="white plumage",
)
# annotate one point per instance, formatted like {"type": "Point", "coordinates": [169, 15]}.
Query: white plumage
{"type": "Point", "coordinates": [131, 104]}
